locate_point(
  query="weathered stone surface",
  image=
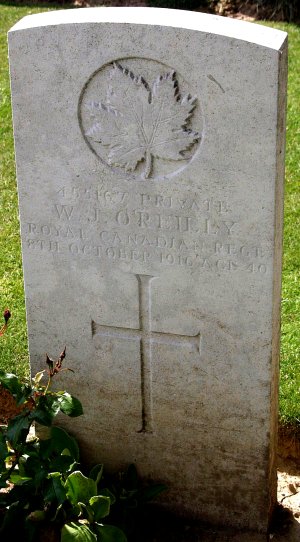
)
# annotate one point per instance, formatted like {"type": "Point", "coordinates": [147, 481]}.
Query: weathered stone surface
{"type": "Point", "coordinates": [149, 148]}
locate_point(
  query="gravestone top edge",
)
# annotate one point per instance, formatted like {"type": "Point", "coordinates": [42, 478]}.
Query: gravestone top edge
{"type": "Point", "coordinates": [188, 20]}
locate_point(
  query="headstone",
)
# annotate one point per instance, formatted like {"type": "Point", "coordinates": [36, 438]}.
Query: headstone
{"type": "Point", "coordinates": [150, 164]}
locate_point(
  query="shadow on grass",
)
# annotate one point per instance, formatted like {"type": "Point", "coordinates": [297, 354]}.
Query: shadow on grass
{"type": "Point", "coordinates": [38, 3]}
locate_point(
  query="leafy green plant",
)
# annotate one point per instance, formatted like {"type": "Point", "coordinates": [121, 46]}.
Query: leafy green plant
{"type": "Point", "coordinates": [42, 488]}
{"type": "Point", "coordinates": [40, 477]}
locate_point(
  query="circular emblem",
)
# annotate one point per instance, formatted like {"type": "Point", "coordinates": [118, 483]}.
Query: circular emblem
{"type": "Point", "coordinates": [139, 117]}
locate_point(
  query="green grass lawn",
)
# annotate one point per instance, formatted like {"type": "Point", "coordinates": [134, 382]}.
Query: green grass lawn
{"type": "Point", "coordinates": [290, 339]}
{"type": "Point", "coordinates": [13, 347]}
{"type": "Point", "coordinates": [14, 354]}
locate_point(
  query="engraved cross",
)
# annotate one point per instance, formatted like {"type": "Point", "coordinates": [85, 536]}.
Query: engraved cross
{"type": "Point", "coordinates": [146, 338]}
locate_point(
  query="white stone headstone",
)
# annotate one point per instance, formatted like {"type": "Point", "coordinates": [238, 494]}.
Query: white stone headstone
{"type": "Point", "coordinates": [150, 164]}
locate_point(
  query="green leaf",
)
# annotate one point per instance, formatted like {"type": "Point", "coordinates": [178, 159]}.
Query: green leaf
{"type": "Point", "coordinates": [100, 506]}
{"type": "Point", "coordinates": [3, 448]}
{"type": "Point", "coordinates": [22, 466]}
{"type": "Point", "coordinates": [18, 428]}
{"type": "Point", "coordinates": [61, 440]}
{"type": "Point", "coordinates": [55, 489]}
{"type": "Point", "coordinates": [86, 512]}
{"type": "Point", "coordinates": [37, 516]}
{"type": "Point", "coordinates": [62, 464]}
{"type": "Point", "coordinates": [41, 416]}
{"type": "Point", "coordinates": [105, 492]}
{"type": "Point", "coordinates": [40, 477]}
{"type": "Point", "coordinates": [48, 407]}
{"type": "Point", "coordinates": [26, 394]}
{"type": "Point", "coordinates": [96, 473]}
{"type": "Point", "coordinates": [79, 488]}
{"type": "Point", "coordinates": [109, 533]}
{"type": "Point", "coordinates": [18, 480]}
{"type": "Point", "coordinates": [77, 532]}
{"type": "Point", "coordinates": [31, 463]}
{"type": "Point", "coordinates": [60, 515]}
{"type": "Point", "coordinates": [70, 406]}
{"type": "Point", "coordinates": [12, 384]}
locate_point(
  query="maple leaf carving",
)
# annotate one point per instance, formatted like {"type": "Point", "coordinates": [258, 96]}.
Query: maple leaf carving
{"type": "Point", "coordinates": [138, 123]}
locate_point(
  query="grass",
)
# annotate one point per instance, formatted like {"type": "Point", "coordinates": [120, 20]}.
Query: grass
{"type": "Point", "coordinates": [290, 313]}
{"type": "Point", "coordinates": [13, 347]}
{"type": "Point", "coordinates": [14, 354]}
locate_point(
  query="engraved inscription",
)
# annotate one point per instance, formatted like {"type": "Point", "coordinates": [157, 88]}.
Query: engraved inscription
{"type": "Point", "coordinates": [146, 338]}
{"type": "Point", "coordinates": [135, 118]}
{"type": "Point", "coordinates": [198, 233]}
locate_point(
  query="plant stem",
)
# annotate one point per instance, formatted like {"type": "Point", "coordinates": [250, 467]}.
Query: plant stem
{"type": "Point", "coordinates": [48, 384]}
